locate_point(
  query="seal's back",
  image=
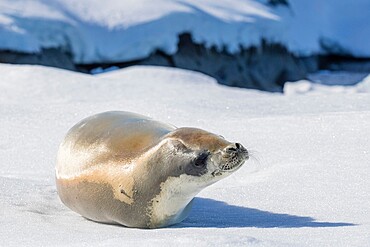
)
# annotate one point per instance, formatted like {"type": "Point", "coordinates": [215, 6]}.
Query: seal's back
{"type": "Point", "coordinates": [119, 134]}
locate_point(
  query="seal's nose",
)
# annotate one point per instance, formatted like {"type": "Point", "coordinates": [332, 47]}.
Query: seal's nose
{"type": "Point", "coordinates": [236, 148]}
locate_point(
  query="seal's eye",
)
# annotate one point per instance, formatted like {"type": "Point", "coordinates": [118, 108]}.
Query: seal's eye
{"type": "Point", "coordinates": [201, 160]}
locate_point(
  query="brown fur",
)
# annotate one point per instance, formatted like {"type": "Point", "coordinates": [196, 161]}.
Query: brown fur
{"type": "Point", "coordinates": [104, 206]}
{"type": "Point", "coordinates": [199, 139]}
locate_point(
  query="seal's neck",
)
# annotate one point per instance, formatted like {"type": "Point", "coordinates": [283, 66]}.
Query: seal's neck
{"type": "Point", "coordinates": [173, 203]}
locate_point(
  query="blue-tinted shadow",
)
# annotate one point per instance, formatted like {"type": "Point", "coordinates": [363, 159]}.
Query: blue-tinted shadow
{"type": "Point", "coordinates": [217, 214]}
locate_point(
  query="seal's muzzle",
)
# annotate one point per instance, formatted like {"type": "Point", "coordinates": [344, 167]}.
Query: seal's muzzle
{"type": "Point", "coordinates": [234, 156]}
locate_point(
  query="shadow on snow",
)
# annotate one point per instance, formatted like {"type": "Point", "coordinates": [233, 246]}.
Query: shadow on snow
{"type": "Point", "coordinates": [212, 213]}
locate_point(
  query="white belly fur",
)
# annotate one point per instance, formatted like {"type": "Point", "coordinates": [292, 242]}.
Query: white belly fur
{"type": "Point", "coordinates": [173, 203]}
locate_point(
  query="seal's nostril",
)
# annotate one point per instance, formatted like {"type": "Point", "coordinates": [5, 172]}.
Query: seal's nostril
{"type": "Point", "coordinates": [235, 148]}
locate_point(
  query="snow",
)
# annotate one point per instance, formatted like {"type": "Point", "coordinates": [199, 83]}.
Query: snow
{"type": "Point", "coordinates": [330, 82]}
{"type": "Point", "coordinates": [307, 185]}
{"type": "Point", "coordinates": [337, 25]}
{"type": "Point", "coordinates": [115, 31]}
{"type": "Point", "coordinates": [345, 78]}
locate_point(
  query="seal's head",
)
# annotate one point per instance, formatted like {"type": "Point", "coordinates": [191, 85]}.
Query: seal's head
{"type": "Point", "coordinates": [207, 154]}
{"type": "Point", "coordinates": [194, 159]}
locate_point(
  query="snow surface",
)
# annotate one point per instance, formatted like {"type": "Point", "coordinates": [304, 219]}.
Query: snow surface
{"type": "Point", "coordinates": [114, 30]}
{"type": "Point", "coordinates": [330, 82]}
{"type": "Point", "coordinates": [308, 184]}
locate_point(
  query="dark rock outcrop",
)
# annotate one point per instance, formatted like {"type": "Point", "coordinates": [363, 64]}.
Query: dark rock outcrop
{"type": "Point", "coordinates": [265, 67]}
{"type": "Point", "coordinates": [49, 57]}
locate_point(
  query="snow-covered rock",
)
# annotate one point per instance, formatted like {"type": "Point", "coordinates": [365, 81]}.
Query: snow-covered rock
{"type": "Point", "coordinates": [115, 31]}
{"type": "Point", "coordinates": [256, 44]}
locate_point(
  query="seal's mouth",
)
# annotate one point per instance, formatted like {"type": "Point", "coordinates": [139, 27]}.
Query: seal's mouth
{"type": "Point", "coordinates": [233, 157]}
{"type": "Point", "coordinates": [235, 162]}
{"type": "Point", "coordinates": [231, 167]}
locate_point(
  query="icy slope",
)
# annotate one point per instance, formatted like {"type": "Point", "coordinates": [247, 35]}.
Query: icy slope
{"type": "Point", "coordinates": [113, 30]}
{"type": "Point", "coordinates": [310, 187]}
